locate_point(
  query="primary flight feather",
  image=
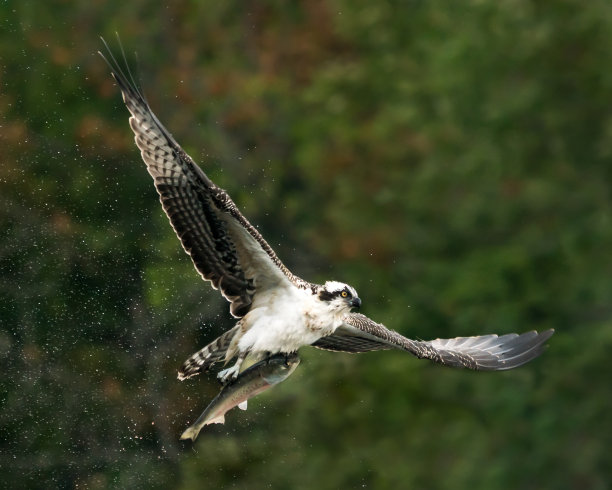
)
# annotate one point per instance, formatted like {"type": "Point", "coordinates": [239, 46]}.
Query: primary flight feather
{"type": "Point", "coordinates": [277, 311]}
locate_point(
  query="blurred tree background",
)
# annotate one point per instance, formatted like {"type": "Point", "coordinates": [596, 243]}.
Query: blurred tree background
{"type": "Point", "coordinates": [451, 160]}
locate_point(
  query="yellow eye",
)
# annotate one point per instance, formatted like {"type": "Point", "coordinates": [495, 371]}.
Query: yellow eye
{"type": "Point", "coordinates": [344, 294]}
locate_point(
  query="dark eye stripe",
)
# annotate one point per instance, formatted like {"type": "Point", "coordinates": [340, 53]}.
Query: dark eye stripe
{"type": "Point", "coordinates": [327, 296]}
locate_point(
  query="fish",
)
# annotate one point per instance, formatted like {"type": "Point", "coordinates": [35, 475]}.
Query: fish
{"type": "Point", "coordinates": [252, 381]}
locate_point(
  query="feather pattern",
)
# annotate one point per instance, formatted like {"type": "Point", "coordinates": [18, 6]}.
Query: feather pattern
{"type": "Point", "coordinates": [484, 352]}
{"type": "Point", "coordinates": [224, 247]}
{"type": "Point", "coordinates": [288, 312]}
{"type": "Point", "coordinates": [207, 356]}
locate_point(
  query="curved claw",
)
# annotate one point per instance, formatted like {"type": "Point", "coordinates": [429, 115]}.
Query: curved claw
{"type": "Point", "coordinates": [231, 373]}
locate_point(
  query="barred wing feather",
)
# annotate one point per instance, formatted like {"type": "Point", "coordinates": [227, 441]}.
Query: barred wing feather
{"type": "Point", "coordinates": [484, 352]}
{"type": "Point", "coordinates": [225, 248]}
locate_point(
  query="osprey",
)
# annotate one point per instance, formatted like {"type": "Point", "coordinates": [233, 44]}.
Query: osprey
{"type": "Point", "coordinates": [277, 311]}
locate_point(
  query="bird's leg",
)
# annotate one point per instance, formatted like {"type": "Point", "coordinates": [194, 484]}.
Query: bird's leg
{"type": "Point", "coordinates": [230, 373]}
{"type": "Point", "coordinates": [290, 356]}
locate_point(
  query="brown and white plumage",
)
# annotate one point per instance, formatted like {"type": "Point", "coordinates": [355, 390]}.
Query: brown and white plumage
{"type": "Point", "coordinates": [278, 311]}
{"type": "Point", "coordinates": [484, 352]}
{"type": "Point", "coordinates": [225, 248]}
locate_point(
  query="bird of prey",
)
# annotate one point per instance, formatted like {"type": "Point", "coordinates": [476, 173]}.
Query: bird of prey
{"type": "Point", "coordinates": [276, 311]}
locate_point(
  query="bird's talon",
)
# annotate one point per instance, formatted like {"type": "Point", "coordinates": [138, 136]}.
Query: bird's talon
{"type": "Point", "coordinates": [229, 374]}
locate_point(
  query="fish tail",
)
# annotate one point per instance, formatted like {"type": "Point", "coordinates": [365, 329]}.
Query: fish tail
{"type": "Point", "coordinates": [190, 433]}
{"type": "Point", "coordinates": [193, 431]}
{"type": "Point", "coordinates": [207, 356]}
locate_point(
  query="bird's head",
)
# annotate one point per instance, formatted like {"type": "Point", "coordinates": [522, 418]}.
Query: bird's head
{"type": "Point", "coordinates": [340, 296]}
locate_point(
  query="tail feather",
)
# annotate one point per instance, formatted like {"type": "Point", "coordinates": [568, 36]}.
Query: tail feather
{"type": "Point", "coordinates": [207, 356]}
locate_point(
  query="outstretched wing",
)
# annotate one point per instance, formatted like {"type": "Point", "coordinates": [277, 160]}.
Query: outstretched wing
{"type": "Point", "coordinates": [485, 352]}
{"type": "Point", "coordinates": [225, 248]}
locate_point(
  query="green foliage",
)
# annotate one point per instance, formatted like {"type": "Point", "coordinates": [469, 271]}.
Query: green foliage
{"type": "Point", "coordinates": [451, 160]}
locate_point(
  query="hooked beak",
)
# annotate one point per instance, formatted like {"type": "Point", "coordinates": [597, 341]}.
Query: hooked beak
{"type": "Point", "coordinates": [355, 303]}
